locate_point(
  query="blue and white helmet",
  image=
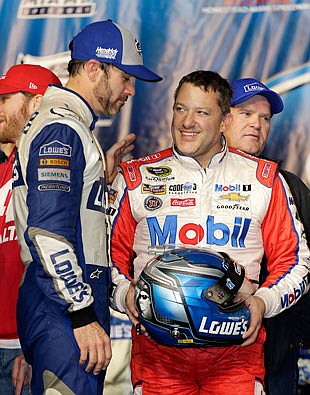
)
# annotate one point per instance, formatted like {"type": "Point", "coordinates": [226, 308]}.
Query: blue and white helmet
{"type": "Point", "coordinates": [185, 298]}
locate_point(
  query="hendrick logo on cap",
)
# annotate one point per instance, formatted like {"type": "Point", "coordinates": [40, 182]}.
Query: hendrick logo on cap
{"type": "Point", "coordinates": [253, 87]}
{"type": "Point", "coordinates": [107, 53]}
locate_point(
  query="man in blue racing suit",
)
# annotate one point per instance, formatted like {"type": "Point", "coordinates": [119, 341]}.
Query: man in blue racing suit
{"type": "Point", "coordinates": [60, 207]}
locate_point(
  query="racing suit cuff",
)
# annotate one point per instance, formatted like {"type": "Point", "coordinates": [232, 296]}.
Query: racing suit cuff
{"type": "Point", "coordinates": [83, 317]}
{"type": "Point", "coordinates": [267, 296]}
{"type": "Point", "coordinates": [118, 297]}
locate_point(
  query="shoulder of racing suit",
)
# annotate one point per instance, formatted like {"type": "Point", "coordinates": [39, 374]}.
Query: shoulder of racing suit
{"type": "Point", "coordinates": [130, 169]}
{"type": "Point", "coordinates": [266, 171]}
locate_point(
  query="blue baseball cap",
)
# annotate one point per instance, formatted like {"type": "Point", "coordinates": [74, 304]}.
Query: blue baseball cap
{"type": "Point", "coordinates": [245, 88]}
{"type": "Point", "coordinates": [108, 42]}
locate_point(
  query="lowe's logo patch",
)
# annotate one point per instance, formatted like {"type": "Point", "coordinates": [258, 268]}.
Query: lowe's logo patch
{"type": "Point", "coordinates": [55, 148]}
{"type": "Point", "coordinates": [214, 233]}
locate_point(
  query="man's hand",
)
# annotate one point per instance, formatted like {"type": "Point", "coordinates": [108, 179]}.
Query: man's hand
{"type": "Point", "coordinates": [118, 153]}
{"type": "Point", "coordinates": [21, 374]}
{"type": "Point", "coordinates": [131, 310]}
{"type": "Point", "coordinates": [256, 307]}
{"type": "Point", "coordinates": [95, 345]}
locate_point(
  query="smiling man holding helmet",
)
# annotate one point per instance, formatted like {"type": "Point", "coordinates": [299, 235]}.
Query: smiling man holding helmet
{"type": "Point", "coordinates": [202, 193]}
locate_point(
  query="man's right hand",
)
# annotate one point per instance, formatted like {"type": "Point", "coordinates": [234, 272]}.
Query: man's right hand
{"type": "Point", "coordinates": [95, 345]}
{"type": "Point", "coordinates": [131, 310]}
{"type": "Point", "coordinates": [21, 374]}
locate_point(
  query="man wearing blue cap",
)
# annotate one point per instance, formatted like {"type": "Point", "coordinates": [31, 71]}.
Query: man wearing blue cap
{"type": "Point", "coordinates": [60, 207]}
{"type": "Point", "coordinates": [253, 104]}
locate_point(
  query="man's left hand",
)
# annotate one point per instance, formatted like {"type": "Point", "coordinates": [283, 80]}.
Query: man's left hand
{"type": "Point", "coordinates": [118, 153]}
{"type": "Point", "coordinates": [256, 307]}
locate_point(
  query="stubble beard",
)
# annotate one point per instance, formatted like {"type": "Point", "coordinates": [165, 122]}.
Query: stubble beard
{"type": "Point", "coordinates": [104, 95]}
{"type": "Point", "coordinates": [13, 125]}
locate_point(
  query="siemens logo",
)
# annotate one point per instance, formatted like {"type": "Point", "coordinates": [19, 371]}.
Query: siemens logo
{"type": "Point", "coordinates": [215, 233]}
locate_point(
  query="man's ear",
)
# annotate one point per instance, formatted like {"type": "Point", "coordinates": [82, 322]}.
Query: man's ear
{"type": "Point", "coordinates": [92, 68]}
{"type": "Point", "coordinates": [35, 103]}
{"type": "Point", "coordinates": [226, 122]}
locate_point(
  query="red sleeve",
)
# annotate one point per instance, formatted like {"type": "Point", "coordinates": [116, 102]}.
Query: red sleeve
{"type": "Point", "coordinates": [280, 237]}
{"type": "Point", "coordinates": [122, 238]}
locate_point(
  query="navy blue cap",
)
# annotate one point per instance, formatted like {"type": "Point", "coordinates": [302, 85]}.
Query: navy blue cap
{"type": "Point", "coordinates": [108, 42]}
{"type": "Point", "coordinates": [245, 88]}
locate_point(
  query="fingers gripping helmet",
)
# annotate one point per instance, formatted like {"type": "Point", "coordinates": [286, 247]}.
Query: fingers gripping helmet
{"type": "Point", "coordinates": [185, 298]}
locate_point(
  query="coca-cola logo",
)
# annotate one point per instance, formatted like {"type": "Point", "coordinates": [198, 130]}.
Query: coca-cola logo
{"type": "Point", "coordinates": [189, 202]}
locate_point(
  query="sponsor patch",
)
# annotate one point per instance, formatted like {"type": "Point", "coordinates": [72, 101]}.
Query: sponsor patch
{"type": "Point", "coordinates": [232, 188]}
{"type": "Point", "coordinates": [266, 170]}
{"type": "Point", "coordinates": [187, 187]}
{"type": "Point", "coordinates": [234, 196]}
{"type": "Point", "coordinates": [54, 162]}
{"type": "Point", "coordinates": [152, 203]}
{"type": "Point", "coordinates": [53, 175]}
{"type": "Point", "coordinates": [154, 189]}
{"type": "Point", "coordinates": [189, 202]}
{"type": "Point", "coordinates": [54, 187]}
{"type": "Point", "coordinates": [55, 148]}
{"type": "Point", "coordinates": [112, 194]}
{"type": "Point", "coordinates": [162, 171]}
{"type": "Point", "coordinates": [131, 173]}
{"type": "Point", "coordinates": [145, 158]}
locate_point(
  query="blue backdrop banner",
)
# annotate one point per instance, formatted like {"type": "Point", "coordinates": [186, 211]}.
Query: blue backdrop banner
{"type": "Point", "coordinates": [265, 39]}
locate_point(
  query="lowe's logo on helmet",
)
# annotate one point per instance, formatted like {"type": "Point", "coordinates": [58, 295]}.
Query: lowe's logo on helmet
{"type": "Point", "coordinates": [215, 233]}
{"type": "Point", "coordinates": [224, 328]}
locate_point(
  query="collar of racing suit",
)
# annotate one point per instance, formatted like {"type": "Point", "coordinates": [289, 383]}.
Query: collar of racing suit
{"type": "Point", "coordinates": [214, 162]}
{"type": "Point", "coordinates": [71, 101]}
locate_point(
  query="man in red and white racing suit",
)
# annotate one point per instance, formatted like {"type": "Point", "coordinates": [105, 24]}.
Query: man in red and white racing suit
{"type": "Point", "coordinates": [221, 199]}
